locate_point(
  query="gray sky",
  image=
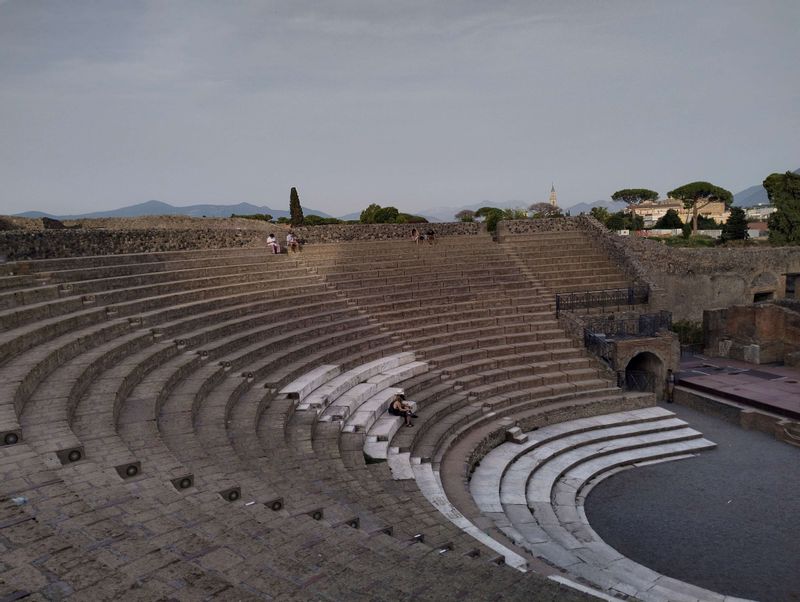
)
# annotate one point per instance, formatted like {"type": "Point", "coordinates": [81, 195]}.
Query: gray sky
{"type": "Point", "coordinates": [412, 103]}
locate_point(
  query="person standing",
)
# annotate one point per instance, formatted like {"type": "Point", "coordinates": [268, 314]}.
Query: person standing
{"type": "Point", "coordinates": [669, 386]}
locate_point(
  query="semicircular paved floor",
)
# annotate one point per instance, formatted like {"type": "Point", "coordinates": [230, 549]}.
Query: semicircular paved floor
{"type": "Point", "coordinates": [727, 520]}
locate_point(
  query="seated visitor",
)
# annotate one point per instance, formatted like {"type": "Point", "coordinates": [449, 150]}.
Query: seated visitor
{"type": "Point", "coordinates": [292, 242]}
{"type": "Point", "coordinates": [273, 244]}
{"type": "Point", "coordinates": [430, 236]}
{"type": "Point", "coordinates": [399, 407]}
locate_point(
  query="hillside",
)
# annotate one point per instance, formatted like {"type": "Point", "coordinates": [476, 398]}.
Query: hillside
{"type": "Point", "coordinates": [754, 195]}
{"type": "Point", "coordinates": [161, 208]}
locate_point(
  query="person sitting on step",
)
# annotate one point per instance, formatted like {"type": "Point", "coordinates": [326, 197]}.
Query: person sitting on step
{"type": "Point", "coordinates": [292, 243]}
{"type": "Point", "coordinates": [273, 244]}
{"type": "Point", "coordinates": [399, 407]}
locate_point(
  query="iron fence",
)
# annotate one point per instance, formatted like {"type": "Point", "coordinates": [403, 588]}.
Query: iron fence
{"type": "Point", "coordinates": [600, 333]}
{"type": "Point", "coordinates": [638, 380]}
{"type": "Point", "coordinates": [612, 297]}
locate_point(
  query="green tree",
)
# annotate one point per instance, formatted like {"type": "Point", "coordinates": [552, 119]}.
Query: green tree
{"type": "Point", "coordinates": [295, 210]}
{"type": "Point", "coordinates": [465, 215]}
{"type": "Point", "coordinates": [707, 223]}
{"type": "Point", "coordinates": [670, 220]}
{"type": "Point", "coordinates": [318, 220]}
{"type": "Point", "coordinates": [624, 221]}
{"type": "Point", "coordinates": [541, 210]}
{"type": "Point", "coordinates": [736, 226]}
{"type": "Point", "coordinates": [697, 195]}
{"type": "Point", "coordinates": [409, 218]}
{"type": "Point", "coordinates": [601, 214]}
{"type": "Point", "coordinates": [633, 197]}
{"type": "Point", "coordinates": [368, 215]}
{"type": "Point", "coordinates": [386, 215]}
{"type": "Point", "coordinates": [490, 215]}
{"type": "Point", "coordinates": [784, 192]}
{"type": "Point", "coordinates": [510, 214]}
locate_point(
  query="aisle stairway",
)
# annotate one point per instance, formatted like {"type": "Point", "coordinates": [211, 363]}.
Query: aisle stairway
{"type": "Point", "coordinates": [566, 261]}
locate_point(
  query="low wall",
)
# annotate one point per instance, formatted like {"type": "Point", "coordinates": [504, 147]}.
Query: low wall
{"type": "Point", "coordinates": [346, 232]}
{"type": "Point", "coordinates": [45, 244]}
{"type": "Point", "coordinates": [694, 280]}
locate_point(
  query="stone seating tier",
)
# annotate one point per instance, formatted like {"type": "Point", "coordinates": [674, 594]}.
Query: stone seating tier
{"type": "Point", "coordinates": [181, 366]}
{"type": "Point", "coordinates": [534, 492]}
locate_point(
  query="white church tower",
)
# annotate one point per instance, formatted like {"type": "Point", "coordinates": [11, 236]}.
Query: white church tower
{"type": "Point", "coordinates": [553, 199]}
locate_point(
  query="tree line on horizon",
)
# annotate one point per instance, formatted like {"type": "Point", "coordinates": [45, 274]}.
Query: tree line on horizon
{"type": "Point", "coordinates": [783, 191]}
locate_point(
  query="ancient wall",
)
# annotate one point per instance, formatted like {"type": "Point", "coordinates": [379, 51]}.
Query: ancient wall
{"type": "Point", "coordinates": [694, 280]}
{"type": "Point", "coordinates": [762, 333]}
{"type": "Point", "coordinates": [43, 244]}
{"type": "Point", "coordinates": [345, 232]}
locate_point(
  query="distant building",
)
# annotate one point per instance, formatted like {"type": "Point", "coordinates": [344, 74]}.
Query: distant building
{"type": "Point", "coordinates": [553, 200]}
{"type": "Point", "coordinates": [758, 229]}
{"type": "Point", "coordinates": [652, 211]}
{"type": "Point", "coordinates": [759, 212]}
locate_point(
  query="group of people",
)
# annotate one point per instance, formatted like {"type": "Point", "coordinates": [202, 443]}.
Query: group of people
{"type": "Point", "coordinates": [293, 244]}
{"type": "Point", "coordinates": [419, 237]}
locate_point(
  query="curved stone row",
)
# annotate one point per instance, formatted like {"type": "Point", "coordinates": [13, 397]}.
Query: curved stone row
{"type": "Point", "coordinates": [152, 445]}
{"type": "Point", "coordinates": [533, 490]}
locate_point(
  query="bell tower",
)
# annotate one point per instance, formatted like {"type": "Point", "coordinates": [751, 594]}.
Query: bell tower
{"type": "Point", "coordinates": [553, 199]}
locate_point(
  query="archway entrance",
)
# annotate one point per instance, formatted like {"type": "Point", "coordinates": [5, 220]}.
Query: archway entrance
{"type": "Point", "coordinates": [644, 372]}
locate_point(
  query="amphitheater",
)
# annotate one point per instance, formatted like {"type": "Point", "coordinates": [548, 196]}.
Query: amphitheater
{"type": "Point", "coordinates": [184, 416]}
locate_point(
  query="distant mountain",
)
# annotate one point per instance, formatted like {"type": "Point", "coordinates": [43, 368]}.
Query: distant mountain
{"type": "Point", "coordinates": [161, 208]}
{"type": "Point", "coordinates": [754, 195]}
{"type": "Point", "coordinates": [612, 206]}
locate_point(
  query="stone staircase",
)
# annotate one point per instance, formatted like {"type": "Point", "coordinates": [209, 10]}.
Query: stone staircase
{"type": "Point", "coordinates": [566, 261]}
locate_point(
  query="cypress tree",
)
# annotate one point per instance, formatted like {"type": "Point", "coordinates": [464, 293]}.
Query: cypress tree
{"type": "Point", "coordinates": [736, 226]}
{"type": "Point", "coordinates": [295, 210]}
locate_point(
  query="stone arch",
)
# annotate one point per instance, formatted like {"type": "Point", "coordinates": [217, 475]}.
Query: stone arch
{"type": "Point", "coordinates": [645, 371]}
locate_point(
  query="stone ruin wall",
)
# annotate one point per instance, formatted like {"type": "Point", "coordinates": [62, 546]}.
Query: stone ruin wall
{"type": "Point", "coordinates": [762, 333]}
{"type": "Point", "coordinates": [694, 280]}
{"type": "Point", "coordinates": [45, 244]}
{"type": "Point", "coordinates": [85, 237]}
{"type": "Point", "coordinates": [351, 232]}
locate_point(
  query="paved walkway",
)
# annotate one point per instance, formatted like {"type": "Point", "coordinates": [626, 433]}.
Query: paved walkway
{"type": "Point", "coordinates": [727, 520]}
{"type": "Point", "coordinates": [768, 387]}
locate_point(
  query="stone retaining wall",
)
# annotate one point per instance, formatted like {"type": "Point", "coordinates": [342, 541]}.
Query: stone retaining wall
{"type": "Point", "coordinates": [694, 280]}
{"type": "Point", "coordinates": [346, 232]}
{"type": "Point", "coordinates": [45, 244]}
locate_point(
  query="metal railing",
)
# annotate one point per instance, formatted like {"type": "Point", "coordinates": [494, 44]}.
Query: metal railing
{"type": "Point", "coordinates": [643, 325]}
{"type": "Point", "coordinates": [612, 297]}
{"type": "Point", "coordinates": [638, 380]}
{"type": "Point", "coordinates": [600, 333]}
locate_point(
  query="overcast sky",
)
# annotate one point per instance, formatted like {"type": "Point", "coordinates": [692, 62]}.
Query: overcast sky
{"type": "Point", "coordinates": [409, 103]}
